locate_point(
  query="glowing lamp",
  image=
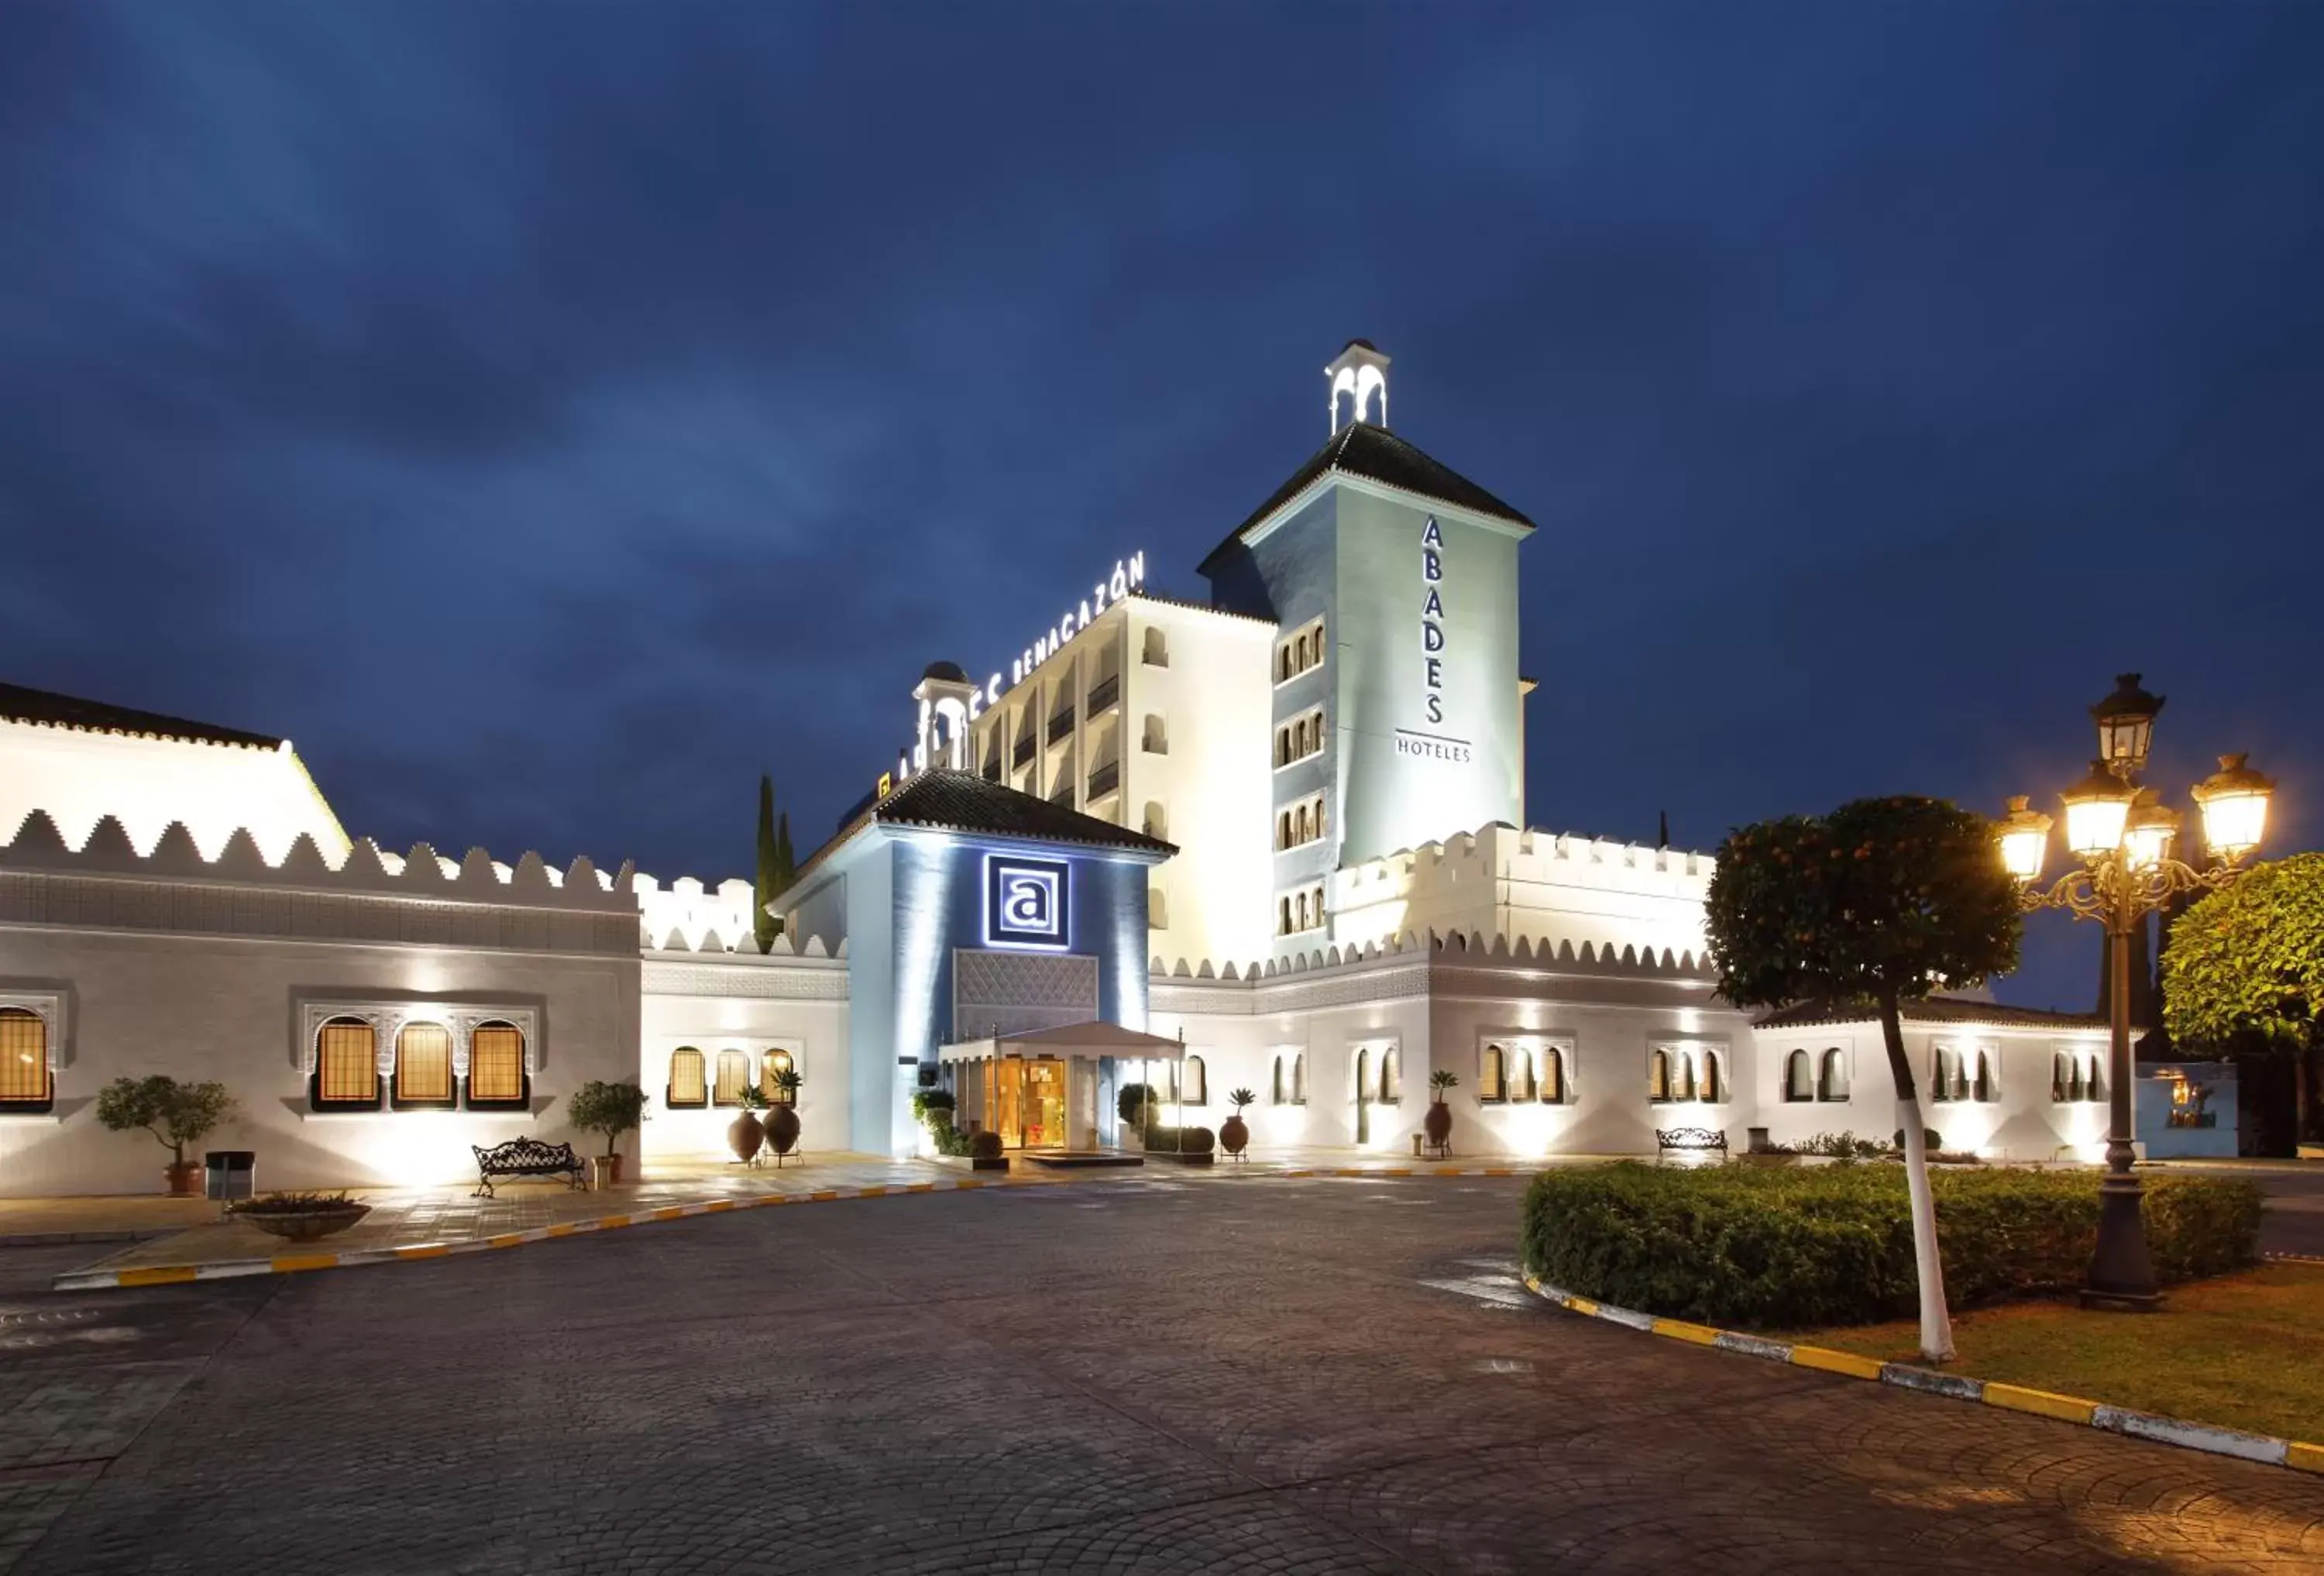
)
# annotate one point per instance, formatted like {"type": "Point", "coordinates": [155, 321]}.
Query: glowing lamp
{"type": "Point", "coordinates": [2024, 838]}
{"type": "Point", "coordinates": [2148, 830]}
{"type": "Point", "coordinates": [2233, 802]}
{"type": "Point", "coordinates": [2125, 721]}
{"type": "Point", "coordinates": [2097, 809]}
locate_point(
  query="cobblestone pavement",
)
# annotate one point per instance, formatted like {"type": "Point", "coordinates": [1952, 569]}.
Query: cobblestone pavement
{"type": "Point", "coordinates": [1148, 1374]}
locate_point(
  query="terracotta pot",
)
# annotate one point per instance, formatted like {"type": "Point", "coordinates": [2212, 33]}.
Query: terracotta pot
{"type": "Point", "coordinates": [613, 1167]}
{"type": "Point", "coordinates": [185, 1179]}
{"type": "Point", "coordinates": [1234, 1134]}
{"type": "Point", "coordinates": [744, 1135]}
{"type": "Point", "coordinates": [1438, 1124]}
{"type": "Point", "coordinates": [783, 1129]}
{"type": "Point", "coordinates": [306, 1225]}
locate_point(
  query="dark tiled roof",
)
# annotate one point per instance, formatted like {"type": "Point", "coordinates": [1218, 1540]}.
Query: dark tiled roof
{"type": "Point", "coordinates": [1202, 607]}
{"type": "Point", "coordinates": [1362, 449]}
{"type": "Point", "coordinates": [1935, 1009]}
{"type": "Point", "coordinates": [962, 801]}
{"type": "Point", "coordinates": [20, 704]}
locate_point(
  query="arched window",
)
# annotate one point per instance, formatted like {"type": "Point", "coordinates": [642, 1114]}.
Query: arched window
{"type": "Point", "coordinates": [733, 1077]}
{"type": "Point", "coordinates": [1714, 1077]}
{"type": "Point", "coordinates": [1391, 1076]}
{"type": "Point", "coordinates": [1988, 1087]}
{"type": "Point", "coordinates": [1945, 1062]}
{"type": "Point", "coordinates": [1298, 1077]}
{"type": "Point", "coordinates": [1799, 1077]}
{"type": "Point", "coordinates": [1284, 926]}
{"type": "Point", "coordinates": [1156, 819]}
{"type": "Point", "coordinates": [1492, 1087]}
{"type": "Point", "coordinates": [1521, 1081]}
{"type": "Point", "coordinates": [771, 1066]}
{"type": "Point", "coordinates": [1831, 1080]}
{"type": "Point", "coordinates": [1302, 910]}
{"type": "Point", "coordinates": [1283, 829]}
{"type": "Point", "coordinates": [688, 1080]}
{"type": "Point", "coordinates": [1553, 1075]}
{"type": "Point", "coordinates": [1157, 908]}
{"type": "Point", "coordinates": [25, 1082]}
{"type": "Point", "coordinates": [1195, 1081]}
{"type": "Point", "coordinates": [2094, 1086]}
{"type": "Point", "coordinates": [1157, 647]}
{"type": "Point", "coordinates": [496, 1066]}
{"type": "Point", "coordinates": [1659, 1085]}
{"type": "Point", "coordinates": [423, 1064]}
{"type": "Point", "coordinates": [346, 1065]}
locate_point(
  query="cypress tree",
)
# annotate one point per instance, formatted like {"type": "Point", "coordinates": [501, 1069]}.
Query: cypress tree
{"type": "Point", "coordinates": [785, 868]}
{"type": "Point", "coordinates": [764, 889]}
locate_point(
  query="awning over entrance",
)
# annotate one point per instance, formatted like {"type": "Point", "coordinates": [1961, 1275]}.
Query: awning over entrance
{"type": "Point", "coordinates": [1083, 1041]}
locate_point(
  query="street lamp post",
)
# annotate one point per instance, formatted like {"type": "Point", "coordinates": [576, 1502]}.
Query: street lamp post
{"type": "Point", "coordinates": [2123, 833]}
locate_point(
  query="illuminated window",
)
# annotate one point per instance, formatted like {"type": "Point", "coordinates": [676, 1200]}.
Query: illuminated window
{"type": "Point", "coordinates": [1714, 1077]}
{"type": "Point", "coordinates": [1988, 1087]}
{"type": "Point", "coordinates": [1522, 1086]}
{"type": "Point", "coordinates": [1196, 1081]}
{"type": "Point", "coordinates": [1949, 1077]}
{"type": "Point", "coordinates": [1831, 1080]}
{"type": "Point", "coordinates": [423, 1064]}
{"type": "Point", "coordinates": [733, 1077]}
{"type": "Point", "coordinates": [346, 1065]}
{"type": "Point", "coordinates": [496, 1066]}
{"type": "Point", "coordinates": [771, 1066]}
{"type": "Point", "coordinates": [1492, 1087]}
{"type": "Point", "coordinates": [1553, 1075]}
{"type": "Point", "coordinates": [25, 1082]}
{"type": "Point", "coordinates": [687, 1079]}
{"type": "Point", "coordinates": [1659, 1086]}
{"type": "Point", "coordinates": [1391, 1076]}
{"type": "Point", "coordinates": [2077, 1078]}
{"type": "Point", "coordinates": [1799, 1077]}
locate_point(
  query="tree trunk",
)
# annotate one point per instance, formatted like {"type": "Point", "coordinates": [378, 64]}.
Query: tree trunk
{"type": "Point", "coordinates": [1936, 1323]}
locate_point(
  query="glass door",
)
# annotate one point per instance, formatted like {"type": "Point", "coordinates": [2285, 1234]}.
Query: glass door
{"type": "Point", "coordinates": [1006, 1101]}
{"type": "Point", "coordinates": [1044, 1112]}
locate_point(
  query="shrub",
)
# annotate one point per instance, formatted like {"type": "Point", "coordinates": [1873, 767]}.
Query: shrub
{"type": "Point", "coordinates": [1934, 1139]}
{"type": "Point", "coordinates": [1756, 1247]}
{"type": "Point", "coordinates": [1137, 1105]}
{"type": "Point", "coordinates": [924, 1100]}
{"type": "Point", "coordinates": [985, 1145]}
{"type": "Point", "coordinates": [1181, 1141]}
{"type": "Point", "coordinates": [176, 1114]}
{"type": "Point", "coordinates": [1839, 1146]}
{"type": "Point", "coordinates": [950, 1141]}
{"type": "Point", "coordinates": [296, 1204]}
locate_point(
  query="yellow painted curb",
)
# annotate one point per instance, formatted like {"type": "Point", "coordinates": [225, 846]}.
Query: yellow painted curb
{"type": "Point", "coordinates": [718, 1206]}
{"type": "Point", "coordinates": [2305, 1458]}
{"type": "Point", "coordinates": [1581, 1304]}
{"type": "Point", "coordinates": [165, 1275]}
{"type": "Point", "coordinates": [562, 1229]}
{"type": "Point", "coordinates": [612, 1223]}
{"type": "Point", "coordinates": [825, 1196]}
{"type": "Point", "coordinates": [1680, 1330]}
{"type": "Point", "coordinates": [2041, 1403]}
{"type": "Point", "coordinates": [872, 1191]}
{"type": "Point", "coordinates": [920, 1187]}
{"type": "Point", "coordinates": [292, 1263]}
{"type": "Point", "coordinates": [1836, 1362]}
{"type": "Point", "coordinates": [508, 1240]}
{"type": "Point", "coordinates": [967, 1185]}
{"type": "Point", "coordinates": [429, 1250]}
{"type": "Point", "coordinates": [669, 1212]}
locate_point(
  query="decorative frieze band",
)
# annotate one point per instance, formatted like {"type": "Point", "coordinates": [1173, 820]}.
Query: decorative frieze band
{"type": "Point", "coordinates": [389, 1018]}
{"type": "Point", "coordinates": [801, 979]}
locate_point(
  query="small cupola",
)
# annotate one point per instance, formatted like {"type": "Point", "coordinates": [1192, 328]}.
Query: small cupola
{"type": "Point", "coordinates": [946, 698]}
{"type": "Point", "coordinates": [1360, 373]}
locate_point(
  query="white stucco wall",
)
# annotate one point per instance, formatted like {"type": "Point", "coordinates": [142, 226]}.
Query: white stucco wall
{"type": "Point", "coordinates": [754, 1004]}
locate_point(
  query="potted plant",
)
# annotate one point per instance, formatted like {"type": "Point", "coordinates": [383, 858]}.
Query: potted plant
{"type": "Point", "coordinates": [984, 1151]}
{"type": "Point", "coordinates": [611, 1109]}
{"type": "Point", "coordinates": [301, 1216]}
{"type": "Point", "coordinates": [1139, 1108]}
{"type": "Point", "coordinates": [176, 1114]}
{"type": "Point", "coordinates": [746, 1134]}
{"type": "Point", "coordinates": [1438, 1122]}
{"type": "Point", "coordinates": [783, 1121]}
{"type": "Point", "coordinates": [1234, 1133]}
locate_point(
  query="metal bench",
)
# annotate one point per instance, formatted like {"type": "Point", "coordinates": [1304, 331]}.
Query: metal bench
{"type": "Point", "coordinates": [526, 1157]}
{"type": "Point", "coordinates": [1691, 1141]}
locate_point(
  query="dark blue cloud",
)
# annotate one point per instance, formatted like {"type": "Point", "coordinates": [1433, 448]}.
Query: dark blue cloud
{"type": "Point", "coordinates": [551, 415]}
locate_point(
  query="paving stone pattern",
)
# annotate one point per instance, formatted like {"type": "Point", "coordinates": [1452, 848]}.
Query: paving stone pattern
{"type": "Point", "coordinates": [1147, 1375]}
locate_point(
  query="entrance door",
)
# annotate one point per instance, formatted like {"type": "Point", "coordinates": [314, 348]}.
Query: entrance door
{"type": "Point", "coordinates": [1045, 1105]}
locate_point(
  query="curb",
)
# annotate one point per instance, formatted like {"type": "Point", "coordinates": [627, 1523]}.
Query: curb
{"type": "Point", "coordinates": [298, 1263]}
{"type": "Point", "coordinates": [1387, 1171]}
{"type": "Point", "coordinates": [2265, 1448]}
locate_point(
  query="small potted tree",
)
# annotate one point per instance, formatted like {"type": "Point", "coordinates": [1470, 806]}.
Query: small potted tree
{"type": "Point", "coordinates": [746, 1134]}
{"type": "Point", "coordinates": [783, 1121]}
{"type": "Point", "coordinates": [176, 1114]}
{"type": "Point", "coordinates": [1234, 1133]}
{"type": "Point", "coordinates": [611, 1109]}
{"type": "Point", "coordinates": [984, 1150]}
{"type": "Point", "coordinates": [1438, 1121]}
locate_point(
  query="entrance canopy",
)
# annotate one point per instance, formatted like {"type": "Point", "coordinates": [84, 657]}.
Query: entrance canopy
{"type": "Point", "coordinates": [1083, 1041]}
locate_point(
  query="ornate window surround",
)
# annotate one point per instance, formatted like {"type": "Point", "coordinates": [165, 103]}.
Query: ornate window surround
{"type": "Point", "coordinates": [1694, 1047]}
{"type": "Point", "coordinates": [1567, 1046]}
{"type": "Point", "coordinates": [49, 1007]}
{"type": "Point", "coordinates": [388, 1019]}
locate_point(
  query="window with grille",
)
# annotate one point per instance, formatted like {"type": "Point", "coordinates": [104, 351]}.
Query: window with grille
{"type": "Point", "coordinates": [423, 1064]}
{"type": "Point", "coordinates": [496, 1066]}
{"type": "Point", "coordinates": [25, 1082]}
{"type": "Point", "coordinates": [771, 1067]}
{"type": "Point", "coordinates": [688, 1081]}
{"type": "Point", "coordinates": [733, 1077]}
{"type": "Point", "coordinates": [1553, 1075]}
{"type": "Point", "coordinates": [346, 1064]}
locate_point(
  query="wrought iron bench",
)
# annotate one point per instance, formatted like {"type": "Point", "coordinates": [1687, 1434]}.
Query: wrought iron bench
{"type": "Point", "coordinates": [1691, 1141]}
{"type": "Point", "coordinates": [526, 1157]}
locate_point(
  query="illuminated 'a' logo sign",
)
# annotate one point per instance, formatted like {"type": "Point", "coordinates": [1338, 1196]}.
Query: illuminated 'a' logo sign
{"type": "Point", "coordinates": [1025, 902]}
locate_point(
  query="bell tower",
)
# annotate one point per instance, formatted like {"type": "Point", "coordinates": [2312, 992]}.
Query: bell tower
{"type": "Point", "coordinates": [1361, 373]}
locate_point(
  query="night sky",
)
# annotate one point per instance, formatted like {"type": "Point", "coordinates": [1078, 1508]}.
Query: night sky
{"type": "Point", "coordinates": [551, 416]}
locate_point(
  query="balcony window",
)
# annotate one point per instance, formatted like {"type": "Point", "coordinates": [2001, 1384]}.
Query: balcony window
{"type": "Point", "coordinates": [1104, 694]}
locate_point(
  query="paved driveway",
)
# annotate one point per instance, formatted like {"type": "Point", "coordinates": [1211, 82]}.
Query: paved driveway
{"type": "Point", "coordinates": [1155, 1376]}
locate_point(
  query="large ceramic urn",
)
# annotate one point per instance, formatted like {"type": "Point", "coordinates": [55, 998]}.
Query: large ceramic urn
{"type": "Point", "coordinates": [1437, 1124]}
{"type": "Point", "coordinates": [744, 1135]}
{"type": "Point", "coordinates": [783, 1129]}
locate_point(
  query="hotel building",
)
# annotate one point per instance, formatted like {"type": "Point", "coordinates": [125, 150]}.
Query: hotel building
{"type": "Point", "coordinates": [1275, 841]}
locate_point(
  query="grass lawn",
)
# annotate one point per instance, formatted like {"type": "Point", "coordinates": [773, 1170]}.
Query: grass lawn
{"type": "Point", "coordinates": [2241, 1350]}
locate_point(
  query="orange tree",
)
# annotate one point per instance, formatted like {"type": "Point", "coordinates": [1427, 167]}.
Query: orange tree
{"type": "Point", "coordinates": [2249, 959]}
{"type": "Point", "coordinates": [1878, 903]}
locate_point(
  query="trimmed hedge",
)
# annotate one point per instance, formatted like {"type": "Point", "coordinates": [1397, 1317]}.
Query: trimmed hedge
{"type": "Point", "coordinates": [1759, 1247]}
{"type": "Point", "coordinates": [1180, 1140]}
